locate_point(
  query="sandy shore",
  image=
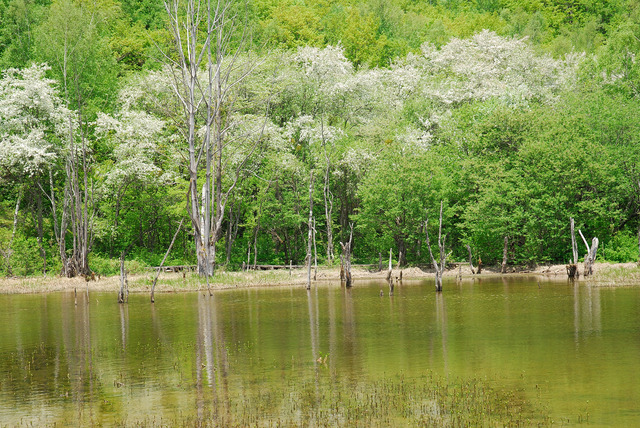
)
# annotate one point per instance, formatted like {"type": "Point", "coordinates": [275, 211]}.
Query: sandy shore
{"type": "Point", "coordinates": [605, 274]}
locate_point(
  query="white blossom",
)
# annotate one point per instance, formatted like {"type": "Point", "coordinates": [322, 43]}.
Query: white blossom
{"type": "Point", "coordinates": [32, 117]}
{"type": "Point", "coordinates": [134, 136]}
{"type": "Point", "coordinates": [487, 66]}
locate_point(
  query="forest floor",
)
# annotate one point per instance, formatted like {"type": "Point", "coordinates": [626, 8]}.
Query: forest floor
{"type": "Point", "coordinates": [605, 274]}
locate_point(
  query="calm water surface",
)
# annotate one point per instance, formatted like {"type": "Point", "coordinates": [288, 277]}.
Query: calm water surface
{"type": "Point", "coordinates": [573, 350]}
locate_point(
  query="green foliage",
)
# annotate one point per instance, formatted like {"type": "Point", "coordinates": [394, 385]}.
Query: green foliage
{"type": "Point", "coordinates": [622, 248]}
{"type": "Point", "coordinates": [414, 103]}
{"type": "Point", "coordinates": [24, 257]}
{"type": "Point", "coordinates": [106, 266]}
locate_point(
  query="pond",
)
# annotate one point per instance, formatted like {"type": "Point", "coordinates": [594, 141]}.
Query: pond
{"type": "Point", "coordinates": [490, 351]}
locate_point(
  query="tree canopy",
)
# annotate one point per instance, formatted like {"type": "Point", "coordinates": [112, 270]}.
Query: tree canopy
{"type": "Point", "coordinates": [516, 114]}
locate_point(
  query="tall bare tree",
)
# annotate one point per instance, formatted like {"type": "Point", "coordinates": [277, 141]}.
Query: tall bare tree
{"type": "Point", "coordinates": [209, 62]}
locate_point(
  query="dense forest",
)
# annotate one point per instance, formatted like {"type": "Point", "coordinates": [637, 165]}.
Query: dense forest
{"type": "Point", "coordinates": [250, 123]}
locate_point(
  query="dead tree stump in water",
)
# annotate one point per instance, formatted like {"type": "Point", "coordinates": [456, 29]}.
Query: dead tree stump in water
{"type": "Point", "coordinates": [572, 268]}
{"type": "Point", "coordinates": [123, 280]}
{"type": "Point", "coordinates": [590, 257]}
{"type": "Point", "coordinates": [439, 267]}
{"type": "Point", "coordinates": [346, 251]}
{"type": "Point", "coordinates": [390, 271]}
{"type": "Point", "coordinates": [572, 271]}
{"type": "Point", "coordinates": [473, 271]}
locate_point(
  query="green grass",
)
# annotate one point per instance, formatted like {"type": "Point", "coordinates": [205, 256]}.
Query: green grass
{"type": "Point", "coordinates": [430, 400]}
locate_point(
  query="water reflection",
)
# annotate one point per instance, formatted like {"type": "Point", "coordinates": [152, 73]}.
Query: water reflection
{"type": "Point", "coordinates": [194, 359]}
{"type": "Point", "coordinates": [441, 322]}
{"type": "Point", "coordinates": [586, 311]}
{"type": "Point", "coordinates": [212, 362]}
{"type": "Point", "coordinates": [349, 343]}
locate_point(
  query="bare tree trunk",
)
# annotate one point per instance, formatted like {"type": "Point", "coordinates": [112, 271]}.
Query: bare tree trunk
{"type": "Point", "coordinates": [471, 260]}
{"type": "Point", "coordinates": [232, 229]}
{"type": "Point", "coordinates": [315, 252]}
{"type": "Point", "coordinates": [572, 268]}
{"type": "Point", "coordinates": [310, 232]}
{"type": "Point", "coordinates": [153, 286]}
{"type": "Point", "coordinates": [390, 272]}
{"type": "Point", "coordinates": [328, 200]}
{"type": "Point", "coordinates": [201, 31]}
{"type": "Point", "coordinates": [504, 255]}
{"type": "Point", "coordinates": [255, 244]}
{"type": "Point", "coordinates": [9, 251]}
{"type": "Point", "coordinates": [123, 278]}
{"type": "Point", "coordinates": [639, 245]}
{"type": "Point", "coordinates": [439, 267]}
{"type": "Point", "coordinates": [590, 257]}
{"type": "Point", "coordinates": [379, 261]}
{"type": "Point", "coordinates": [346, 250]}
{"type": "Point", "coordinates": [38, 221]}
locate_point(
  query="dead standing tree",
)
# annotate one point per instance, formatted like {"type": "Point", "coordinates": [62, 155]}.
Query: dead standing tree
{"type": "Point", "coordinates": [208, 67]}
{"type": "Point", "coordinates": [439, 267]}
{"type": "Point", "coordinates": [572, 268]}
{"type": "Point", "coordinates": [310, 232]}
{"type": "Point", "coordinates": [590, 257]}
{"type": "Point", "coordinates": [123, 294]}
{"type": "Point", "coordinates": [505, 250]}
{"type": "Point", "coordinates": [473, 271]}
{"type": "Point", "coordinates": [346, 257]}
{"type": "Point", "coordinates": [390, 271]}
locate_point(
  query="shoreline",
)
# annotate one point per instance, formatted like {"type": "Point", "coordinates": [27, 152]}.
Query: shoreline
{"type": "Point", "coordinates": [605, 275]}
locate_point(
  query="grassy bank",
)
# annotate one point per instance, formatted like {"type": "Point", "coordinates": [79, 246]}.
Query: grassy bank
{"type": "Point", "coordinates": [605, 274]}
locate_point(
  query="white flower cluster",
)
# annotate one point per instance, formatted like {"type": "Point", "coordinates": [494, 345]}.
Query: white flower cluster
{"type": "Point", "coordinates": [32, 118]}
{"type": "Point", "coordinates": [134, 136]}
{"type": "Point", "coordinates": [324, 64]}
{"type": "Point", "coordinates": [487, 66]}
{"type": "Point", "coordinates": [307, 129]}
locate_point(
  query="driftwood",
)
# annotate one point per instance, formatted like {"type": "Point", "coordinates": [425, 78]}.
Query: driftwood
{"type": "Point", "coordinates": [590, 257]}
{"type": "Point", "coordinates": [439, 267]}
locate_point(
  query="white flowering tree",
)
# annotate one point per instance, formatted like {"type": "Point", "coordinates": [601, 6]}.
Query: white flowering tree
{"type": "Point", "coordinates": [32, 127]}
{"type": "Point", "coordinates": [32, 119]}
{"type": "Point", "coordinates": [134, 138]}
{"type": "Point", "coordinates": [490, 66]}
